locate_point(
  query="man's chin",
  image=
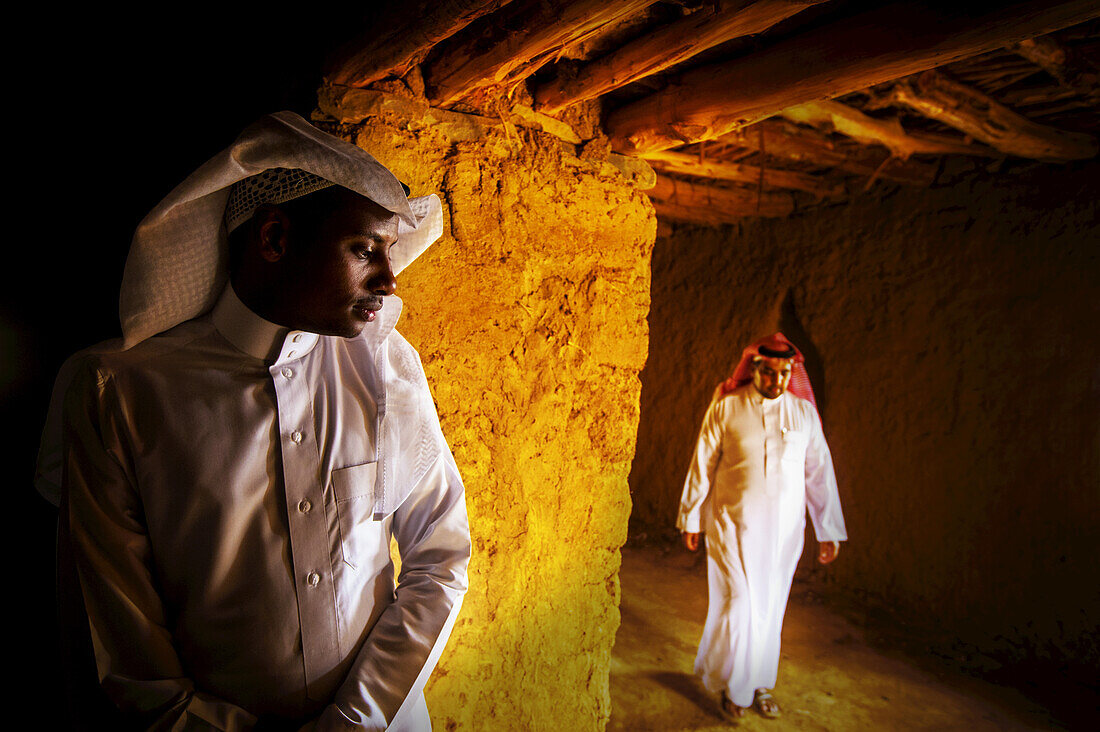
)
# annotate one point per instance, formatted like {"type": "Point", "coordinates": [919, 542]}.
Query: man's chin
{"type": "Point", "coordinates": [350, 329]}
{"type": "Point", "coordinates": [354, 329]}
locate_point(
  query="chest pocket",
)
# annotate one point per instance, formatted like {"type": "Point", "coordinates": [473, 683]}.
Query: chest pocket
{"type": "Point", "coordinates": [354, 491]}
{"type": "Point", "coordinates": [794, 446]}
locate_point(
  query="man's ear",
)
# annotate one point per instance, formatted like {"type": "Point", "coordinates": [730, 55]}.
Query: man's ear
{"type": "Point", "coordinates": [271, 227]}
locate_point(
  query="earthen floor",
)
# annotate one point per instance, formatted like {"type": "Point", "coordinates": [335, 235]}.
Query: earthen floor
{"type": "Point", "coordinates": [831, 676]}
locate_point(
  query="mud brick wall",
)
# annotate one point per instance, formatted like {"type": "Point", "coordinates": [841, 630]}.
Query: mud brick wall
{"type": "Point", "coordinates": [530, 318]}
{"type": "Point", "coordinates": [951, 336]}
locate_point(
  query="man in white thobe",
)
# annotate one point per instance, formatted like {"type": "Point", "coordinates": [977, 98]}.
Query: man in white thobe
{"type": "Point", "coordinates": [760, 462]}
{"type": "Point", "coordinates": [231, 474]}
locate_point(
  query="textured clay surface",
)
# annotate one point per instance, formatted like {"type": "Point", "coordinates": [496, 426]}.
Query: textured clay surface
{"type": "Point", "coordinates": [951, 339]}
{"type": "Point", "coordinates": [530, 318]}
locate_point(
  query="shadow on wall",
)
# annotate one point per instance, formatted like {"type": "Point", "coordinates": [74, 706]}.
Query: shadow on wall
{"type": "Point", "coordinates": [950, 337]}
{"type": "Point", "coordinates": [791, 326]}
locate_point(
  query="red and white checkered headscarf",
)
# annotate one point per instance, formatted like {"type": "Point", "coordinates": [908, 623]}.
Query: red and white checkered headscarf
{"type": "Point", "coordinates": [773, 346]}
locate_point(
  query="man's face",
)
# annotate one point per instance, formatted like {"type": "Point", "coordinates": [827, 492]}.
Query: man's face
{"type": "Point", "coordinates": [771, 376]}
{"type": "Point", "coordinates": [338, 266]}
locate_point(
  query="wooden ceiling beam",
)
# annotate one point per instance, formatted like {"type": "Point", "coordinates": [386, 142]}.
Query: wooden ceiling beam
{"type": "Point", "coordinates": [513, 42]}
{"type": "Point", "coordinates": [710, 204]}
{"type": "Point", "coordinates": [785, 141]}
{"type": "Point", "coordinates": [877, 45]}
{"type": "Point", "coordinates": [1063, 63]}
{"type": "Point", "coordinates": [401, 37]}
{"type": "Point", "coordinates": [939, 97]}
{"type": "Point", "coordinates": [837, 117]}
{"type": "Point", "coordinates": [688, 164]}
{"type": "Point", "coordinates": [671, 44]}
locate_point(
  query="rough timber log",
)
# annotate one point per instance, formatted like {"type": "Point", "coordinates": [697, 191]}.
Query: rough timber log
{"type": "Point", "coordinates": [849, 54]}
{"type": "Point", "coordinates": [942, 98]}
{"type": "Point", "coordinates": [666, 47]}
{"type": "Point", "coordinates": [782, 140]}
{"type": "Point", "coordinates": [401, 37]}
{"type": "Point", "coordinates": [1063, 63]}
{"type": "Point", "coordinates": [708, 204]}
{"type": "Point", "coordinates": [872, 131]}
{"type": "Point", "coordinates": [688, 164]}
{"type": "Point", "coordinates": [513, 42]}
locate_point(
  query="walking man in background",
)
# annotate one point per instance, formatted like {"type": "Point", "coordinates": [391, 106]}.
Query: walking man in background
{"type": "Point", "coordinates": [760, 462]}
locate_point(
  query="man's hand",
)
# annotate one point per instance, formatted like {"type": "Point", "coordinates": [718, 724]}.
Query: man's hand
{"type": "Point", "coordinates": [827, 551]}
{"type": "Point", "coordinates": [691, 540]}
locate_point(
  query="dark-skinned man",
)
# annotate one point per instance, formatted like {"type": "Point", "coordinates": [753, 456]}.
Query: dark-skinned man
{"type": "Point", "coordinates": [231, 473]}
{"type": "Point", "coordinates": [760, 462]}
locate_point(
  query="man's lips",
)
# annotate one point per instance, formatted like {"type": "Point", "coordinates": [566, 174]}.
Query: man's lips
{"type": "Point", "coordinates": [368, 307]}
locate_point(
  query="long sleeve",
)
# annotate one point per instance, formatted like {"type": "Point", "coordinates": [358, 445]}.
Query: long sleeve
{"type": "Point", "coordinates": [390, 671]}
{"type": "Point", "coordinates": [822, 497]}
{"type": "Point", "coordinates": [137, 663]}
{"type": "Point", "coordinates": [700, 477]}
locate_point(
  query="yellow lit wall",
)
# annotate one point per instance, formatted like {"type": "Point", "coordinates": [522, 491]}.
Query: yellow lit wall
{"type": "Point", "coordinates": [530, 318]}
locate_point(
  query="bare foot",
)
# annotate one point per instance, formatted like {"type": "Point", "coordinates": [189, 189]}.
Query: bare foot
{"type": "Point", "coordinates": [765, 704]}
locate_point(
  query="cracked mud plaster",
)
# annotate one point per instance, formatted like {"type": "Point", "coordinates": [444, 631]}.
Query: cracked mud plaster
{"type": "Point", "coordinates": [530, 318]}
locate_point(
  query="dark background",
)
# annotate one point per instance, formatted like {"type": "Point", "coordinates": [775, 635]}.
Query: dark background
{"type": "Point", "coordinates": [110, 114]}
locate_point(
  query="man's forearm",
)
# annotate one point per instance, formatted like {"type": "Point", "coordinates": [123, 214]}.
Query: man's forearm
{"type": "Point", "coordinates": [405, 643]}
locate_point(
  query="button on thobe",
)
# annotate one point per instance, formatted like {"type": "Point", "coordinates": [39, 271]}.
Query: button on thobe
{"type": "Point", "coordinates": [759, 464]}
{"type": "Point", "coordinates": [309, 549]}
{"type": "Point", "coordinates": [235, 463]}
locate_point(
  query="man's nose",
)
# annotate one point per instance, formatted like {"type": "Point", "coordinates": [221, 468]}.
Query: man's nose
{"type": "Point", "coordinates": [383, 282]}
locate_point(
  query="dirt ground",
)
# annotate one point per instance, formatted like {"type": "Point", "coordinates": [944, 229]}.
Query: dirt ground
{"type": "Point", "coordinates": [831, 676]}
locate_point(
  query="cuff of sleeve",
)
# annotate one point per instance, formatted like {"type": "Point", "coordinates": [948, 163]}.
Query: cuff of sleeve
{"type": "Point", "coordinates": [688, 524]}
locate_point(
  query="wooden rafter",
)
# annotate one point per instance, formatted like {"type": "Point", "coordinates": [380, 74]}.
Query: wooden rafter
{"type": "Point", "coordinates": [872, 131]}
{"type": "Point", "coordinates": [678, 199]}
{"type": "Point", "coordinates": [666, 47]}
{"type": "Point", "coordinates": [401, 38]}
{"type": "Point", "coordinates": [871, 47]}
{"type": "Point", "coordinates": [1063, 63]}
{"type": "Point", "coordinates": [514, 42]}
{"type": "Point", "coordinates": [347, 105]}
{"type": "Point", "coordinates": [688, 164]}
{"type": "Point", "coordinates": [786, 142]}
{"type": "Point", "coordinates": [1043, 95]}
{"type": "Point", "coordinates": [939, 97]}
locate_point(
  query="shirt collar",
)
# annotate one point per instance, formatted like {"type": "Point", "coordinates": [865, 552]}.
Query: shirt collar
{"type": "Point", "coordinates": [272, 343]}
{"type": "Point", "coordinates": [257, 337]}
{"type": "Point", "coordinates": [759, 399]}
{"type": "Point", "coordinates": [384, 322]}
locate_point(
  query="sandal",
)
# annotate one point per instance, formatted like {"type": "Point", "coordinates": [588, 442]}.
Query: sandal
{"type": "Point", "coordinates": [730, 711]}
{"type": "Point", "coordinates": [767, 706]}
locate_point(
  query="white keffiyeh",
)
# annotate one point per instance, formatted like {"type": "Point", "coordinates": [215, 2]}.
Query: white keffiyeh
{"type": "Point", "coordinates": [177, 266]}
{"type": "Point", "coordinates": [178, 262]}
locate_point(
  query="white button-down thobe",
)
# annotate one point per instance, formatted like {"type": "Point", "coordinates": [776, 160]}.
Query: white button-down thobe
{"type": "Point", "coordinates": [759, 464]}
{"type": "Point", "coordinates": [232, 489]}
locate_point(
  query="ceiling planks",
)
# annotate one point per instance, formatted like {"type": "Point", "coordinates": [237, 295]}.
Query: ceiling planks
{"type": "Point", "coordinates": [869, 48]}
{"type": "Point", "coordinates": [699, 166]}
{"type": "Point", "coordinates": [666, 47]}
{"type": "Point", "coordinates": [393, 45]}
{"type": "Point", "coordinates": [870, 130]}
{"type": "Point", "coordinates": [1065, 64]}
{"type": "Point", "coordinates": [510, 44]}
{"type": "Point", "coordinates": [704, 203]}
{"type": "Point", "coordinates": [937, 96]}
{"type": "Point", "coordinates": [775, 139]}
{"type": "Point", "coordinates": [758, 108]}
